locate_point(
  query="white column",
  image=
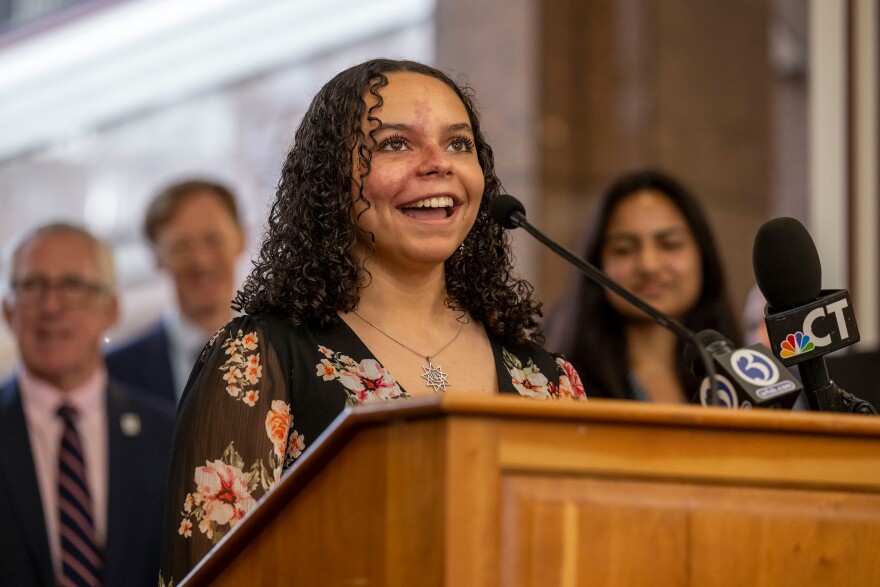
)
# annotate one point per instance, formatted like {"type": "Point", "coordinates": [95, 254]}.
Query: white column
{"type": "Point", "coordinates": [828, 138]}
{"type": "Point", "coordinates": [865, 281]}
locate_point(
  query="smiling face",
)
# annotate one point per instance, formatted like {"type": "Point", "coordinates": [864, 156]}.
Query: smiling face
{"type": "Point", "coordinates": [425, 182]}
{"type": "Point", "coordinates": [199, 247]}
{"type": "Point", "coordinates": [59, 339]}
{"type": "Point", "coordinates": [650, 250]}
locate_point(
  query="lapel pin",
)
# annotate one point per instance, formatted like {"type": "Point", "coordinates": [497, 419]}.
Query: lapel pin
{"type": "Point", "coordinates": [130, 424]}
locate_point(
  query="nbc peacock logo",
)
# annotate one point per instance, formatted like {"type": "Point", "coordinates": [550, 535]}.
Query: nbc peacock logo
{"type": "Point", "coordinates": [796, 344]}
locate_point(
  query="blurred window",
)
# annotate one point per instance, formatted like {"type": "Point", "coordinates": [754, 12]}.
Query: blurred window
{"type": "Point", "coordinates": [15, 14]}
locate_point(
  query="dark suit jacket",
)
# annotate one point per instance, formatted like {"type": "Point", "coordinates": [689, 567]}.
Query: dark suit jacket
{"type": "Point", "coordinates": [145, 363]}
{"type": "Point", "coordinates": [137, 479]}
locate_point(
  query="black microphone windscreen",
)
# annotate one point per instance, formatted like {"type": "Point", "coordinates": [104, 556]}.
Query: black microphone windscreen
{"type": "Point", "coordinates": [692, 354]}
{"type": "Point", "coordinates": [786, 264]}
{"type": "Point", "coordinates": [502, 207]}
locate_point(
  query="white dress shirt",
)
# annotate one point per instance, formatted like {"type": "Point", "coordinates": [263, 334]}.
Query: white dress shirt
{"type": "Point", "coordinates": [185, 342]}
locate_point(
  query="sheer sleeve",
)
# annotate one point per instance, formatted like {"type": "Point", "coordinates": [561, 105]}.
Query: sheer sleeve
{"type": "Point", "coordinates": [230, 445]}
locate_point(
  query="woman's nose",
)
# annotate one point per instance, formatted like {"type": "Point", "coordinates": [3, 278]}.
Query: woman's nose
{"type": "Point", "coordinates": [649, 258]}
{"type": "Point", "coordinates": [435, 161]}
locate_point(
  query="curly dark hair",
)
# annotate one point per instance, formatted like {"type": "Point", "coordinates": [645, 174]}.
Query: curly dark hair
{"type": "Point", "coordinates": [307, 270]}
{"type": "Point", "coordinates": [592, 334]}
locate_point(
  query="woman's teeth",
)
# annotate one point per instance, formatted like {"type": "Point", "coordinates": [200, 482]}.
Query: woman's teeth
{"type": "Point", "coordinates": [440, 202]}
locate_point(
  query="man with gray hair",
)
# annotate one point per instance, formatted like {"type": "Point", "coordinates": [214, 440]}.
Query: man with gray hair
{"type": "Point", "coordinates": [83, 459]}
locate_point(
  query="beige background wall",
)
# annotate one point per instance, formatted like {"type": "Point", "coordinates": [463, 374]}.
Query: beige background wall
{"type": "Point", "coordinates": [577, 93]}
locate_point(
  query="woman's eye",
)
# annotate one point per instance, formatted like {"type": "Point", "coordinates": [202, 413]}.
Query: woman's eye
{"type": "Point", "coordinates": [393, 144]}
{"type": "Point", "coordinates": [461, 144]}
{"type": "Point", "coordinates": [621, 250]}
{"type": "Point", "coordinates": [671, 245]}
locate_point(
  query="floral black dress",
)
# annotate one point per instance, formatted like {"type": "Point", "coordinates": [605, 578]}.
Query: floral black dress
{"type": "Point", "coordinates": [261, 391]}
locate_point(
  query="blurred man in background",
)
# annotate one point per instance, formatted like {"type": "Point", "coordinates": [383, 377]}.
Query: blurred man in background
{"type": "Point", "coordinates": [83, 459]}
{"type": "Point", "coordinates": [197, 237]}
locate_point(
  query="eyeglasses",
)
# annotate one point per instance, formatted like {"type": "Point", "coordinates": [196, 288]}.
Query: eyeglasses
{"type": "Point", "coordinates": [182, 248]}
{"type": "Point", "coordinates": [72, 291]}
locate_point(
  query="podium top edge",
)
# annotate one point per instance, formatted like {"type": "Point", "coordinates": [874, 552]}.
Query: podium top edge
{"type": "Point", "coordinates": [612, 411]}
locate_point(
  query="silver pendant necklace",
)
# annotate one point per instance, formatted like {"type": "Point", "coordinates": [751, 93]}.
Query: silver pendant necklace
{"type": "Point", "coordinates": [432, 374]}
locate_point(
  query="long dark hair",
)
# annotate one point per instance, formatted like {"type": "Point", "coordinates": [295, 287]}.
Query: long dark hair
{"type": "Point", "coordinates": [592, 334]}
{"type": "Point", "coordinates": [306, 268]}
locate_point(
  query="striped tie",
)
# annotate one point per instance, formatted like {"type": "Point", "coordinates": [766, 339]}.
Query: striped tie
{"type": "Point", "coordinates": [81, 560]}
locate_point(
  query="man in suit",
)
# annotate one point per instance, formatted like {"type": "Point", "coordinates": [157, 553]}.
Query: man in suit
{"type": "Point", "coordinates": [83, 459]}
{"type": "Point", "coordinates": [197, 238]}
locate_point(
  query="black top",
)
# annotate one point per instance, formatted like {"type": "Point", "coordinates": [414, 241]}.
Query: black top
{"type": "Point", "coordinates": [261, 392]}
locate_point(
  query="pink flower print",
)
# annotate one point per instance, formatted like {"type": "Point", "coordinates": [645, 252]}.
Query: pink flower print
{"type": "Point", "coordinates": [366, 381]}
{"type": "Point", "coordinates": [296, 445]}
{"type": "Point", "coordinates": [251, 397]}
{"type": "Point", "coordinates": [233, 390]}
{"type": "Point", "coordinates": [225, 493]}
{"type": "Point", "coordinates": [185, 529]}
{"type": "Point", "coordinates": [570, 384]}
{"type": "Point", "coordinates": [374, 383]}
{"type": "Point", "coordinates": [528, 380]}
{"type": "Point", "coordinates": [352, 381]}
{"type": "Point", "coordinates": [278, 425]}
{"type": "Point", "coordinates": [250, 340]}
{"type": "Point", "coordinates": [326, 370]}
{"type": "Point", "coordinates": [530, 385]}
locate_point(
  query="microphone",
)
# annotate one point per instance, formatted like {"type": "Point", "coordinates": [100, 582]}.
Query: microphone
{"type": "Point", "coordinates": [748, 377]}
{"type": "Point", "coordinates": [804, 322]}
{"type": "Point", "coordinates": [510, 213]}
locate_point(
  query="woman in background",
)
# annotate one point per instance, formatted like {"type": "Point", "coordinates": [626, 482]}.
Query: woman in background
{"type": "Point", "coordinates": [650, 236]}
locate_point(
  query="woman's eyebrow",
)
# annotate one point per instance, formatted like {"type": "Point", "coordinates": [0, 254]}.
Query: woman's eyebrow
{"type": "Point", "coordinates": [617, 236]}
{"type": "Point", "coordinates": [391, 126]}
{"type": "Point", "coordinates": [457, 127]}
{"type": "Point", "coordinates": [461, 126]}
{"type": "Point", "coordinates": [673, 231]}
{"type": "Point", "coordinates": [635, 235]}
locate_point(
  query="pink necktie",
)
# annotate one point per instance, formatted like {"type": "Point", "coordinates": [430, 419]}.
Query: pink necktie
{"type": "Point", "coordinates": [81, 559]}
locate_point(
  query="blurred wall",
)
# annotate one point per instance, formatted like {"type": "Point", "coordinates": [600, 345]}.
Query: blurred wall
{"type": "Point", "coordinates": [681, 86]}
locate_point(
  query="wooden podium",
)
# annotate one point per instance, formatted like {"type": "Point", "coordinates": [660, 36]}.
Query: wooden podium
{"type": "Point", "coordinates": [460, 490]}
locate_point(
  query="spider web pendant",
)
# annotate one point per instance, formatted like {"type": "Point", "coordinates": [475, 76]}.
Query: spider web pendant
{"type": "Point", "coordinates": [435, 377]}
